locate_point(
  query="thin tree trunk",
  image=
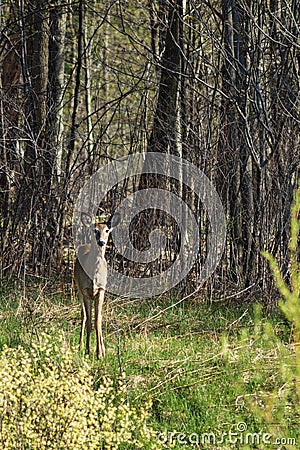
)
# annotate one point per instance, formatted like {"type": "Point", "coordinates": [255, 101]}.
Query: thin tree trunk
{"type": "Point", "coordinates": [9, 78]}
{"type": "Point", "coordinates": [55, 127]}
{"type": "Point", "coordinates": [88, 97]}
{"type": "Point", "coordinates": [74, 124]}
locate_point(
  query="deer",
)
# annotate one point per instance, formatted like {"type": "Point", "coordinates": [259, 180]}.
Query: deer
{"type": "Point", "coordinates": [91, 261]}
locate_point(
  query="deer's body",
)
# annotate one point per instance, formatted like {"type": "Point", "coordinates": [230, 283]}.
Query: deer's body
{"type": "Point", "coordinates": [91, 262]}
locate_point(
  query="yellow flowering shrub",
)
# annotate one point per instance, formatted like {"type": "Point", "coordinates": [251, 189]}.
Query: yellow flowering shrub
{"type": "Point", "coordinates": [49, 401]}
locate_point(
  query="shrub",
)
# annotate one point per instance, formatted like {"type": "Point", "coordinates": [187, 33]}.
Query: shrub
{"type": "Point", "coordinates": [277, 405]}
{"type": "Point", "coordinates": [289, 395]}
{"type": "Point", "coordinates": [48, 401]}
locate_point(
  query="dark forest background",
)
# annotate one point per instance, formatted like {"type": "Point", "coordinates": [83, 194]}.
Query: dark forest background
{"type": "Point", "coordinates": [214, 82]}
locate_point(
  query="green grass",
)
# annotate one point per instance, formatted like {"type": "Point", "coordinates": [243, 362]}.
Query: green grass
{"type": "Point", "coordinates": [206, 367]}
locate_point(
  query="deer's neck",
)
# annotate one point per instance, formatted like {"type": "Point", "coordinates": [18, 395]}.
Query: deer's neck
{"type": "Point", "coordinates": [100, 273]}
{"type": "Point", "coordinates": [101, 252]}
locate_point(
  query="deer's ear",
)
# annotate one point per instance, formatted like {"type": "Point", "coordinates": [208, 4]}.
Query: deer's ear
{"type": "Point", "coordinates": [114, 220]}
{"type": "Point", "coordinates": [86, 220]}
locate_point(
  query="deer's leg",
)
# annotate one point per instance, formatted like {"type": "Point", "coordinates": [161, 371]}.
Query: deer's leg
{"type": "Point", "coordinates": [99, 299]}
{"type": "Point", "coordinates": [87, 315]}
{"type": "Point", "coordinates": [83, 320]}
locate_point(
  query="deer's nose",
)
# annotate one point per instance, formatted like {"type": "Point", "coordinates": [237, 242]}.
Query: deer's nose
{"type": "Point", "coordinates": [101, 243]}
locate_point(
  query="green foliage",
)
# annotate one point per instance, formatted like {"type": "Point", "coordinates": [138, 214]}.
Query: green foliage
{"type": "Point", "coordinates": [291, 303]}
{"type": "Point", "coordinates": [277, 406]}
{"type": "Point", "coordinates": [198, 382]}
{"type": "Point", "coordinates": [48, 401]}
{"type": "Point", "coordinates": [208, 368]}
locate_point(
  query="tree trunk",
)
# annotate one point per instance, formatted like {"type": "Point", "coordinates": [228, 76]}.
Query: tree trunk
{"type": "Point", "coordinates": [56, 86]}
{"type": "Point", "coordinates": [9, 115]}
{"type": "Point", "coordinates": [166, 133]}
{"type": "Point", "coordinates": [234, 158]}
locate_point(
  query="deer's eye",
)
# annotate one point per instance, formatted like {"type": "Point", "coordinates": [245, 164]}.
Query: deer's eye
{"type": "Point", "coordinates": [97, 233]}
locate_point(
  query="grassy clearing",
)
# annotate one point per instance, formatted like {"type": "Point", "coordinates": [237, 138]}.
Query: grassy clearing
{"type": "Point", "coordinates": [208, 368]}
